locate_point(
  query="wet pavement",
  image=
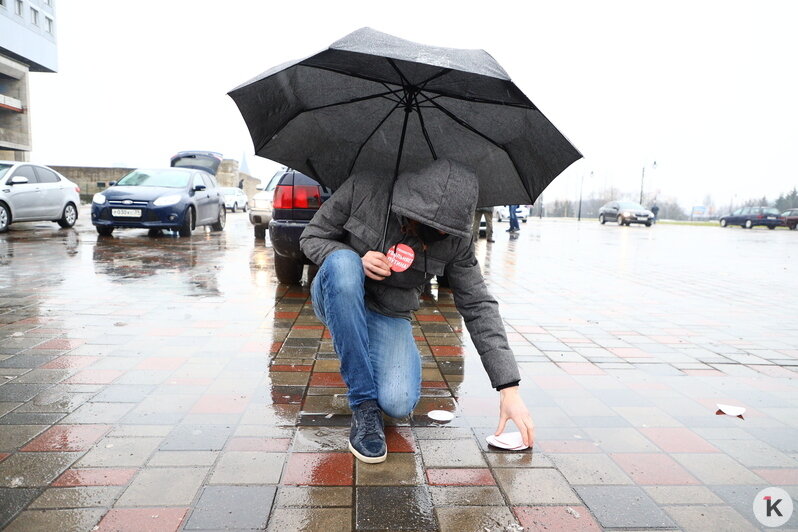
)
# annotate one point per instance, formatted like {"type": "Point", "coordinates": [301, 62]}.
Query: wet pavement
{"type": "Point", "coordinates": [165, 384]}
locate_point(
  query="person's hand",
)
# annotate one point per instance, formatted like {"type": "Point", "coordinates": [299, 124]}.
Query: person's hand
{"type": "Point", "coordinates": [513, 407]}
{"type": "Point", "coordinates": [376, 265]}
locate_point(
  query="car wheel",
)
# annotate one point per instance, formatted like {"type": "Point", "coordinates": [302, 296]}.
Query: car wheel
{"type": "Point", "coordinates": [260, 232]}
{"type": "Point", "coordinates": [235, 206]}
{"type": "Point", "coordinates": [105, 230]}
{"type": "Point", "coordinates": [154, 232]}
{"type": "Point", "coordinates": [219, 225]}
{"type": "Point", "coordinates": [602, 221]}
{"type": "Point", "coordinates": [749, 224]}
{"type": "Point", "coordinates": [288, 271]}
{"type": "Point", "coordinates": [771, 227]}
{"type": "Point", "coordinates": [244, 208]}
{"type": "Point", "coordinates": [648, 224]}
{"type": "Point", "coordinates": [524, 220]}
{"type": "Point", "coordinates": [793, 227]}
{"type": "Point", "coordinates": [723, 222]}
{"type": "Point", "coordinates": [69, 217]}
{"type": "Point", "coordinates": [188, 223]}
{"type": "Point", "coordinates": [5, 218]}
{"type": "Point", "coordinates": [620, 220]}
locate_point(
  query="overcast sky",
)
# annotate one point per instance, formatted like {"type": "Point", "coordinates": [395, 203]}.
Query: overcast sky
{"type": "Point", "coordinates": [706, 89]}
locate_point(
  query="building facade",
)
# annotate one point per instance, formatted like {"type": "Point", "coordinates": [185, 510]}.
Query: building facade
{"type": "Point", "coordinates": [27, 44]}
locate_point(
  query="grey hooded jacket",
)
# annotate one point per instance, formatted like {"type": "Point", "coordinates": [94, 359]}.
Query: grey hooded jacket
{"type": "Point", "coordinates": [442, 196]}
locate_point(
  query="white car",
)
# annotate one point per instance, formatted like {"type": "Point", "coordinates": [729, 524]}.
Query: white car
{"type": "Point", "coordinates": [522, 211]}
{"type": "Point", "coordinates": [33, 193]}
{"type": "Point", "coordinates": [234, 199]}
{"type": "Point", "coordinates": [262, 204]}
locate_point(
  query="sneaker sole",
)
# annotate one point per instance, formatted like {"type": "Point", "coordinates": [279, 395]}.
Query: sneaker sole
{"type": "Point", "coordinates": [367, 459]}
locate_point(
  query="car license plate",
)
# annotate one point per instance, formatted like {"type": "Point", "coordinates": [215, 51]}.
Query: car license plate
{"type": "Point", "coordinates": [642, 216]}
{"type": "Point", "coordinates": [771, 217]}
{"type": "Point", "coordinates": [126, 213]}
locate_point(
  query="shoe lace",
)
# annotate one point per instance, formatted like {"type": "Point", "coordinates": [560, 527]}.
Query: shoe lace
{"type": "Point", "coordinates": [371, 420]}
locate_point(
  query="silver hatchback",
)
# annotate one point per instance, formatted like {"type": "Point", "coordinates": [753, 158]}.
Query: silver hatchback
{"type": "Point", "coordinates": [33, 193]}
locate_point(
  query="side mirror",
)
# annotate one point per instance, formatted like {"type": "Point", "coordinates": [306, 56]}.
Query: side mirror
{"type": "Point", "coordinates": [260, 187]}
{"type": "Point", "coordinates": [19, 180]}
{"type": "Point", "coordinates": [112, 183]}
{"type": "Point", "coordinates": [199, 188]}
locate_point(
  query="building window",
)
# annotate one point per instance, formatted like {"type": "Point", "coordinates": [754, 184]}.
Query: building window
{"type": "Point", "coordinates": [2, 3]}
{"type": "Point", "coordinates": [50, 25]}
{"type": "Point", "coordinates": [19, 8]}
{"type": "Point", "coordinates": [34, 17]}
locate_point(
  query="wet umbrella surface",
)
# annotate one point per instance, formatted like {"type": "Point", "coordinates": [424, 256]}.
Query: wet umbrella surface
{"type": "Point", "coordinates": [374, 101]}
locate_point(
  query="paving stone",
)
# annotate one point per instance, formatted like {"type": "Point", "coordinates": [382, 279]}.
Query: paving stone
{"type": "Point", "coordinates": [13, 501]}
{"type": "Point", "coordinates": [410, 508]}
{"type": "Point", "coordinates": [516, 459]}
{"type": "Point", "coordinates": [319, 469]}
{"type": "Point", "coordinates": [741, 499]}
{"type": "Point", "coordinates": [28, 470]}
{"type": "Point", "coordinates": [144, 519]}
{"type": "Point", "coordinates": [589, 469]}
{"type": "Point", "coordinates": [124, 393]}
{"type": "Point", "coordinates": [399, 469]}
{"type": "Point", "coordinates": [702, 518]}
{"type": "Point", "coordinates": [183, 458]}
{"type": "Point", "coordinates": [535, 486]}
{"type": "Point", "coordinates": [225, 507]}
{"type": "Point", "coordinates": [12, 392]}
{"type": "Point", "coordinates": [308, 519]}
{"type": "Point", "coordinates": [163, 487]}
{"type": "Point", "coordinates": [321, 439]}
{"type": "Point", "coordinates": [621, 440]}
{"type": "Point", "coordinates": [717, 469]}
{"type": "Point", "coordinates": [638, 509]}
{"type": "Point", "coordinates": [699, 495]}
{"type": "Point", "coordinates": [248, 468]}
{"type": "Point", "coordinates": [310, 496]}
{"type": "Point", "coordinates": [120, 452]}
{"type": "Point", "coordinates": [754, 453]}
{"type": "Point", "coordinates": [78, 497]}
{"type": "Point", "coordinates": [77, 520]}
{"type": "Point", "coordinates": [197, 438]}
{"type": "Point", "coordinates": [451, 453]}
{"type": "Point", "coordinates": [574, 517]}
{"type": "Point", "coordinates": [459, 518]}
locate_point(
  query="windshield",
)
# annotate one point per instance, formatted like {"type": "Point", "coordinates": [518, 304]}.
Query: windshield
{"type": "Point", "coordinates": [630, 205]}
{"type": "Point", "coordinates": [772, 210]}
{"type": "Point", "coordinates": [4, 169]}
{"type": "Point", "coordinates": [227, 191]}
{"type": "Point", "coordinates": [155, 178]}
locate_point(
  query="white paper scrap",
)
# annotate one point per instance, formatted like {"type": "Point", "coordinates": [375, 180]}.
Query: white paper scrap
{"type": "Point", "coordinates": [440, 415]}
{"type": "Point", "coordinates": [507, 440]}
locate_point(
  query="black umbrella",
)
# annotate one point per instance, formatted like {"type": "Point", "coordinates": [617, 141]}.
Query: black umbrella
{"type": "Point", "coordinates": [374, 101]}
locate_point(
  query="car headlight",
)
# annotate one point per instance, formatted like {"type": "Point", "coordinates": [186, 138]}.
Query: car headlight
{"type": "Point", "coordinates": [98, 198]}
{"type": "Point", "coordinates": [627, 214]}
{"type": "Point", "coordinates": [165, 201]}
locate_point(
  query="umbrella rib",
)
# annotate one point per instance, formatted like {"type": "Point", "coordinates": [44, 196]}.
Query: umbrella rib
{"type": "Point", "coordinates": [363, 144]}
{"type": "Point", "coordinates": [356, 100]}
{"type": "Point", "coordinates": [405, 81]}
{"type": "Point", "coordinates": [466, 125]}
{"type": "Point", "coordinates": [424, 128]}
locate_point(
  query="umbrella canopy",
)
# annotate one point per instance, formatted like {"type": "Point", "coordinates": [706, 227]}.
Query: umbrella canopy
{"type": "Point", "coordinates": [374, 101]}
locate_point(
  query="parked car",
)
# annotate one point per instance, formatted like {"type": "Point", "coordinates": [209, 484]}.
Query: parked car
{"type": "Point", "coordinates": [234, 198]}
{"type": "Point", "coordinates": [297, 197]}
{"type": "Point", "coordinates": [177, 199]}
{"type": "Point", "coordinates": [261, 205]}
{"type": "Point", "coordinates": [625, 213]}
{"type": "Point", "coordinates": [522, 211]}
{"type": "Point", "coordinates": [749, 217]}
{"type": "Point", "coordinates": [790, 218]}
{"type": "Point", "coordinates": [34, 193]}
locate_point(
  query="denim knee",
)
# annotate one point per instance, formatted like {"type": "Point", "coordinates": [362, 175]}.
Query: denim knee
{"type": "Point", "coordinates": [398, 403]}
{"type": "Point", "coordinates": [343, 271]}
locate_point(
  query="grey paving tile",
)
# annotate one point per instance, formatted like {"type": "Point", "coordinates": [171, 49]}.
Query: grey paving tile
{"type": "Point", "coordinates": [313, 496]}
{"type": "Point", "coordinates": [29, 470]}
{"type": "Point", "coordinates": [12, 392]}
{"type": "Point", "coordinates": [78, 497]}
{"type": "Point", "coordinates": [307, 519]}
{"type": "Point", "coordinates": [621, 440]}
{"type": "Point", "coordinates": [741, 499]}
{"type": "Point", "coordinates": [244, 467]}
{"type": "Point", "coordinates": [410, 509]}
{"type": "Point", "coordinates": [163, 487]}
{"type": "Point", "coordinates": [578, 468]}
{"type": "Point", "coordinates": [13, 501]}
{"type": "Point", "coordinates": [460, 518]}
{"type": "Point", "coordinates": [93, 412]}
{"type": "Point", "coordinates": [701, 518]}
{"type": "Point", "coordinates": [715, 468]}
{"type": "Point", "coordinates": [74, 520]}
{"type": "Point", "coordinates": [124, 393]}
{"type": "Point", "coordinates": [639, 511]}
{"type": "Point", "coordinates": [535, 486]}
{"type": "Point", "coordinates": [237, 507]}
{"type": "Point", "coordinates": [663, 495]}
{"type": "Point", "coordinates": [466, 496]}
{"type": "Point", "coordinates": [451, 453]}
{"type": "Point", "coordinates": [183, 458]}
{"type": "Point", "coordinates": [120, 452]}
{"type": "Point", "coordinates": [197, 438]}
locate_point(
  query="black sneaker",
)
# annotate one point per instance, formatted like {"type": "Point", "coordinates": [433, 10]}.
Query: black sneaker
{"type": "Point", "coordinates": [367, 435]}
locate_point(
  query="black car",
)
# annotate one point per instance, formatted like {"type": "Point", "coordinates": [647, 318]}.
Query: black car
{"type": "Point", "coordinates": [297, 197]}
{"type": "Point", "coordinates": [748, 217]}
{"type": "Point", "coordinates": [178, 198]}
{"type": "Point", "coordinates": [625, 213]}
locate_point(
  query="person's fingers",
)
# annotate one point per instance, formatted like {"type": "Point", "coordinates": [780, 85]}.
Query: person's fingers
{"type": "Point", "coordinates": [522, 428]}
{"type": "Point", "coordinates": [502, 423]}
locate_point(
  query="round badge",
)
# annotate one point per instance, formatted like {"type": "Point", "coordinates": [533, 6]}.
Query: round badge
{"type": "Point", "coordinates": [401, 257]}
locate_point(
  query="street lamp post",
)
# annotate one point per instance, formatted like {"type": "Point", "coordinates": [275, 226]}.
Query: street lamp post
{"type": "Point", "coordinates": [581, 184]}
{"type": "Point", "coordinates": [643, 178]}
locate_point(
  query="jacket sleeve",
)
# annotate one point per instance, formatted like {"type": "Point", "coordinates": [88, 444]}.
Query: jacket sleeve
{"type": "Point", "coordinates": [480, 312]}
{"type": "Point", "coordinates": [325, 231]}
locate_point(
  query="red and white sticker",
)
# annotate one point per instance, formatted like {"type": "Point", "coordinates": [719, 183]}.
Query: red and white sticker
{"type": "Point", "coordinates": [401, 257]}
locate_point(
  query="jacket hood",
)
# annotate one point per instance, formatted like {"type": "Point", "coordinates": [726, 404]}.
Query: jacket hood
{"type": "Point", "coordinates": [443, 195]}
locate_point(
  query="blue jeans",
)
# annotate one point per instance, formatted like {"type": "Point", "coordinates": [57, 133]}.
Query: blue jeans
{"type": "Point", "coordinates": [379, 357]}
{"type": "Point", "coordinates": [513, 217]}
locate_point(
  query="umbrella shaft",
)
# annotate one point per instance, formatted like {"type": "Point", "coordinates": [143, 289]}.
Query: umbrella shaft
{"type": "Point", "coordinates": [395, 175]}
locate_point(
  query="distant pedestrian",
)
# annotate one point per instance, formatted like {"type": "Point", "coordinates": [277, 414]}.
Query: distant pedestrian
{"type": "Point", "coordinates": [655, 211]}
{"type": "Point", "coordinates": [514, 228]}
{"type": "Point", "coordinates": [487, 212]}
